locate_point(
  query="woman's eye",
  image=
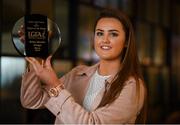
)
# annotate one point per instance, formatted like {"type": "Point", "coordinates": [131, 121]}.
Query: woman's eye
{"type": "Point", "coordinates": [99, 33]}
{"type": "Point", "coordinates": [114, 34]}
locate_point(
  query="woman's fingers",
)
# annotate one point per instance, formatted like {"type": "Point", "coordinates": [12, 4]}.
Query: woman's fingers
{"type": "Point", "coordinates": [36, 65]}
{"type": "Point", "coordinates": [47, 63]}
{"type": "Point", "coordinates": [46, 74]}
{"type": "Point", "coordinates": [29, 60]}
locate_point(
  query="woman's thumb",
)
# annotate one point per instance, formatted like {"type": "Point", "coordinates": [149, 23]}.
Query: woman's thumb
{"type": "Point", "coordinates": [48, 60]}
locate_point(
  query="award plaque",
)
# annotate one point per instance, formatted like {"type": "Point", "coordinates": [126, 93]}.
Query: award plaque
{"type": "Point", "coordinates": [36, 36]}
{"type": "Point", "coordinates": [41, 36]}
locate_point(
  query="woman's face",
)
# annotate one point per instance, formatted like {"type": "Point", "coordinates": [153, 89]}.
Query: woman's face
{"type": "Point", "coordinates": [109, 38]}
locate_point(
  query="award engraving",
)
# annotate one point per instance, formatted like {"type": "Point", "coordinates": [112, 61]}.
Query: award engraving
{"type": "Point", "coordinates": [36, 36]}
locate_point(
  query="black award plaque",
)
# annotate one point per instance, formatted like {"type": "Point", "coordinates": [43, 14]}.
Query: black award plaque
{"type": "Point", "coordinates": [36, 36]}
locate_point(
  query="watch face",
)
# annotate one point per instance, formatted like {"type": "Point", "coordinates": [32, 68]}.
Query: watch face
{"type": "Point", "coordinates": [53, 92]}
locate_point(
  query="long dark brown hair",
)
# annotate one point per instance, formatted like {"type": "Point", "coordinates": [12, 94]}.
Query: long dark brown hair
{"type": "Point", "coordinates": [129, 61]}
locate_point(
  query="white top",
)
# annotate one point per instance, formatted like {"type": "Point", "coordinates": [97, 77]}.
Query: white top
{"type": "Point", "coordinates": [97, 82]}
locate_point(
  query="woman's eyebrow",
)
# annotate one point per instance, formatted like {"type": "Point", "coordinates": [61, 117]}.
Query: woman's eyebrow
{"type": "Point", "coordinates": [113, 30]}
{"type": "Point", "coordinates": [99, 30]}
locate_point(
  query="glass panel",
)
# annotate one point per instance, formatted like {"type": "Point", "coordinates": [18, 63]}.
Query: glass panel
{"type": "Point", "coordinates": [85, 33]}
{"type": "Point", "coordinates": [12, 11]}
{"type": "Point", "coordinates": [11, 71]}
{"type": "Point", "coordinates": [143, 38]}
{"type": "Point", "coordinates": [61, 12]}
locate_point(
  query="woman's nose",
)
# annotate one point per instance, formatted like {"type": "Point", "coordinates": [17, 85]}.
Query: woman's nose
{"type": "Point", "coordinates": [106, 39]}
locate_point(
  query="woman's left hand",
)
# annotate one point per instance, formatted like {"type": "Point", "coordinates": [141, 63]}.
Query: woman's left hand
{"type": "Point", "coordinates": [44, 71]}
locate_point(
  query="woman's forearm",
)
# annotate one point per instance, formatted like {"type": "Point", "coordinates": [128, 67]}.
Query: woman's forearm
{"type": "Point", "coordinates": [33, 95]}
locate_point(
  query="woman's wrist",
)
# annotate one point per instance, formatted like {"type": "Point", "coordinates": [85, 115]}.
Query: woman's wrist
{"type": "Point", "coordinates": [53, 83]}
{"type": "Point", "coordinates": [55, 90]}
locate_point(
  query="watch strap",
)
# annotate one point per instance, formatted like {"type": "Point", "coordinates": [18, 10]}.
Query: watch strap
{"type": "Point", "coordinates": [54, 92]}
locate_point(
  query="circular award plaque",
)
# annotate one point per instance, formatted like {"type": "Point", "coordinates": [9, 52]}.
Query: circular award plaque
{"type": "Point", "coordinates": [36, 35]}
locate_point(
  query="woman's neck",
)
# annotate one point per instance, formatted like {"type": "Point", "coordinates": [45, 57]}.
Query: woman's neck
{"type": "Point", "coordinates": [109, 67]}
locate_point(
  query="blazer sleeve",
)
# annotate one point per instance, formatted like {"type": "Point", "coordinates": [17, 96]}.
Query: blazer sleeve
{"type": "Point", "coordinates": [33, 95]}
{"type": "Point", "coordinates": [121, 110]}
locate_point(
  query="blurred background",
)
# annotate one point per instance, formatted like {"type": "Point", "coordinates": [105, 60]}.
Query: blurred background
{"type": "Point", "coordinates": [157, 29]}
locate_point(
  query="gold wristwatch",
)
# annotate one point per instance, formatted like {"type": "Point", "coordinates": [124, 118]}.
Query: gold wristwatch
{"type": "Point", "coordinates": [54, 92]}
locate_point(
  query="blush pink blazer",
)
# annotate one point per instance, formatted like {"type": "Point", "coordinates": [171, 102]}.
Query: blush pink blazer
{"type": "Point", "coordinates": [67, 107]}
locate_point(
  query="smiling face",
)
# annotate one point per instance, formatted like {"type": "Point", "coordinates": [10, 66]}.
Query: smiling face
{"type": "Point", "coordinates": [109, 38]}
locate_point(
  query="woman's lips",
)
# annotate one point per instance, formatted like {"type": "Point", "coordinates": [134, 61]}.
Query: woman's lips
{"type": "Point", "coordinates": [105, 47]}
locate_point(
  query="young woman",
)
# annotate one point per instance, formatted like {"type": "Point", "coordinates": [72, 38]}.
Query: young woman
{"type": "Point", "coordinates": [111, 91]}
